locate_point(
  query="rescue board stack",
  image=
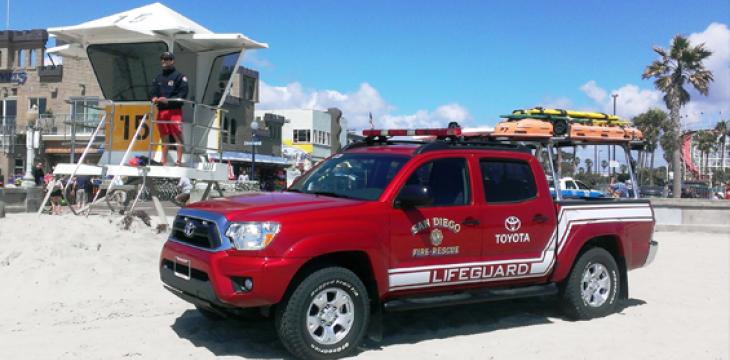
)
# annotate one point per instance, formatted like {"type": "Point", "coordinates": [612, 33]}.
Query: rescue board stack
{"type": "Point", "coordinates": [576, 125]}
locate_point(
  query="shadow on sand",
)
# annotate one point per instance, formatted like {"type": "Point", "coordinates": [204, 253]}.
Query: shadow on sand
{"type": "Point", "coordinates": [258, 339]}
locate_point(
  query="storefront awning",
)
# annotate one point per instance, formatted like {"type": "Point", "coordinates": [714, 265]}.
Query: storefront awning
{"type": "Point", "coordinates": [246, 157]}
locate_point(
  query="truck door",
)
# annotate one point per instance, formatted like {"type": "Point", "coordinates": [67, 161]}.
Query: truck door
{"type": "Point", "coordinates": [518, 217]}
{"type": "Point", "coordinates": [429, 242]}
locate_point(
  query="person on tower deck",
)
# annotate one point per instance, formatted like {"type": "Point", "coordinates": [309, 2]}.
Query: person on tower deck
{"type": "Point", "coordinates": [170, 84]}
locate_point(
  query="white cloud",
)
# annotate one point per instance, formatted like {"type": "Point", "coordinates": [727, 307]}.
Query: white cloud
{"type": "Point", "coordinates": [356, 106]}
{"type": "Point", "coordinates": [593, 91]}
{"type": "Point", "coordinates": [702, 111]}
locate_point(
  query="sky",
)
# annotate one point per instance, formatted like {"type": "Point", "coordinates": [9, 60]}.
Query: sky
{"type": "Point", "coordinates": [419, 64]}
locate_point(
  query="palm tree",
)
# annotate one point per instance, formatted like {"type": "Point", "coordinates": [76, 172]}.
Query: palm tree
{"type": "Point", "coordinates": [589, 166]}
{"type": "Point", "coordinates": [722, 135]}
{"type": "Point", "coordinates": [680, 65]}
{"type": "Point", "coordinates": [650, 123]}
{"type": "Point", "coordinates": [706, 143]}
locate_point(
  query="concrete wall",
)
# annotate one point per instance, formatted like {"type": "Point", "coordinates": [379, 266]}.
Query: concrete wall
{"type": "Point", "coordinates": [21, 200]}
{"type": "Point", "coordinates": [692, 215]}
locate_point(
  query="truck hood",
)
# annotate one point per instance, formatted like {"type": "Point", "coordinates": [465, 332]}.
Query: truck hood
{"type": "Point", "coordinates": [253, 206]}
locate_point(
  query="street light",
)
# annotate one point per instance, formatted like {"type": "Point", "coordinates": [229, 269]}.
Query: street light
{"type": "Point", "coordinates": [254, 127]}
{"type": "Point", "coordinates": [31, 121]}
{"type": "Point", "coordinates": [613, 170]}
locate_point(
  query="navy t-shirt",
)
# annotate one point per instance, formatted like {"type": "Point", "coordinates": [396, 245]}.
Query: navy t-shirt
{"type": "Point", "coordinates": [170, 84]}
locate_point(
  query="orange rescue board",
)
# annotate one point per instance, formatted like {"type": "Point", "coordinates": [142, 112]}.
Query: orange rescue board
{"type": "Point", "coordinates": [524, 128]}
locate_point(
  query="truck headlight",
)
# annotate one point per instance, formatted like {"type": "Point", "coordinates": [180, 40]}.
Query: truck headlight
{"type": "Point", "coordinates": [252, 235]}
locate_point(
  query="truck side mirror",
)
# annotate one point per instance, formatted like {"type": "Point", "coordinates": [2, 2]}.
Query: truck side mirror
{"type": "Point", "coordinates": [413, 196]}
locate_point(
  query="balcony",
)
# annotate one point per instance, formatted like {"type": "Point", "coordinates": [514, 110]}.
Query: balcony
{"type": "Point", "coordinates": [51, 73]}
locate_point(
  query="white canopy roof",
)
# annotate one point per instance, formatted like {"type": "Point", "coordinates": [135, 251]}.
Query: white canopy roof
{"type": "Point", "coordinates": [152, 22]}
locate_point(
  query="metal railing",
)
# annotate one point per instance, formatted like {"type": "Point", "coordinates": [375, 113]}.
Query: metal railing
{"type": "Point", "coordinates": [193, 146]}
{"type": "Point", "coordinates": [68, 124]}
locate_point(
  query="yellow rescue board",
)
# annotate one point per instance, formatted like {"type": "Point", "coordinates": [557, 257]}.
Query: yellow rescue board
{"type": "Point", "coordinates": [569, 113]}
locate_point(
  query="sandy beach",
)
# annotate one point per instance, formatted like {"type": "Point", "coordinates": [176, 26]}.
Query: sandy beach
{"type": "Point", "coordinates": [82, 288]}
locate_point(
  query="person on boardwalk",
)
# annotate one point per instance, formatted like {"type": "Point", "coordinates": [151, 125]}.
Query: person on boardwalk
{"type": "Point", "coordinates": [170, 84]}
{"type": "Point", "coordinates": [185, 186]}
{"type": "Point", "coordinates": [38, 174]}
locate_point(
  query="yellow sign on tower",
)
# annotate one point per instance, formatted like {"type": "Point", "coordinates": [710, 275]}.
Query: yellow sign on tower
{"type": "Point", "coordinates": [125, 119]}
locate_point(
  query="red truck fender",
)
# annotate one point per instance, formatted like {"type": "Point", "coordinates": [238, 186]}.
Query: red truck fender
{"type": "Point", "coordinates": [363, 253]}
{"type": "Point", "coordinates": [623, 229]}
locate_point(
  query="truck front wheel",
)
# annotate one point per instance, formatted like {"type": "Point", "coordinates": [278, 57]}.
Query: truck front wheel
{"type": "Point", "coordinates": [326, 315]}
{"type": "Point", "coordinates": [591, 290]}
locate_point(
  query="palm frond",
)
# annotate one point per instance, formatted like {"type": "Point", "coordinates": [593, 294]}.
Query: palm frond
{"type": "Point", "coordinates": [700, 80]}
{"type": "Point", "coordinates": [656, 68]}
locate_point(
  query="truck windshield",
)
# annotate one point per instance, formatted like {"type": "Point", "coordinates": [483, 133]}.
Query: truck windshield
{"type": "Point", "coordinates": [356, 176]}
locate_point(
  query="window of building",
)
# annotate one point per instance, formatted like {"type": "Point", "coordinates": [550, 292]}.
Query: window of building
{"type": "Point", "coordinates": [39, 102]}
{"type": "Point", "coordinates": [249, 88]}
{"type": "Point", "coordinates": [301, 136]}
{"type": "Point", "coordinates": [232, 131]}
{"type": "Point", "coordinates": [21, 58]}
{"type": "Point", "coordinates": [507, 181]}
{"type": "Point", "coordinates": [31, 58]}
{"type": "Point", "coordinates": [447, 180]}
{"type": "Point", "coordinates": [225, 130]}
{"type": "Point", "coordinates": [19, 167]}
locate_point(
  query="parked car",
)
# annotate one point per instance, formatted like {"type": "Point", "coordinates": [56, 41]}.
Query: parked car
{"type": "Point", "coordinates": [654, 191]}
{"type": "Point", "coordinates": [696, 190]}
{"type": "Point", "coordinates": [576, 189]}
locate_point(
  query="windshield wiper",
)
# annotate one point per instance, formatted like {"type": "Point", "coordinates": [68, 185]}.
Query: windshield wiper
{"type": "Point", "coordinates": [293, 190]}
{"type": "Point", "coordinates": [329, 193]}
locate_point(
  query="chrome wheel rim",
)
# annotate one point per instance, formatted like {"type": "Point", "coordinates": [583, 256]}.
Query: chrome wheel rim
{"type": "Point", "coordinates": [330, 316]}
{"type": "Point", "coordinates": [595, 285]}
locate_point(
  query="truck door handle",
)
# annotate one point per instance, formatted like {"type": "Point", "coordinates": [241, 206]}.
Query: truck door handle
{"type": "Point", "coordinates": [539, 218]}
{"type": "Point", "coordinates": [470, 221]}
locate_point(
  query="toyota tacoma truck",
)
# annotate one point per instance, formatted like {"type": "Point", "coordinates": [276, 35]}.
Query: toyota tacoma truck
{"type": "Point", "coordinates": [388, 225]}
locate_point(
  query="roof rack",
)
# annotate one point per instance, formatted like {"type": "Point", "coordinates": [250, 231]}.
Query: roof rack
{"type": "Point", "coordinates": [454, 136]}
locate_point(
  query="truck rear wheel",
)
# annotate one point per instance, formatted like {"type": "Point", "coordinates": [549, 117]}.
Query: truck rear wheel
{"type": "Point", "coordinates": [591, 289]}
{"type": "Point", "coordinates": [326, 315]}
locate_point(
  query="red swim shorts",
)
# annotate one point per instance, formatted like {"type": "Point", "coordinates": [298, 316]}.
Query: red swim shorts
{"type": "Point", "coordinates": [169, 122]}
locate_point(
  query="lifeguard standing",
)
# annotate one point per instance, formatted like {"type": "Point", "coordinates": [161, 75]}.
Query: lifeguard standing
{"type": "Point", "coordinates": [170, 84]}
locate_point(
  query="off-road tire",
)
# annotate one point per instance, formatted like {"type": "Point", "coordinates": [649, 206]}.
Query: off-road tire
{"type": "Point", "coordinates": [292, 315]}
{"type": "Point", "coordinates": [578, 284]}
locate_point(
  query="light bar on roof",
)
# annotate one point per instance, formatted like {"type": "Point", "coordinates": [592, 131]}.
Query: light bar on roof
{"type": "Point", "coordinates": [412, 132]}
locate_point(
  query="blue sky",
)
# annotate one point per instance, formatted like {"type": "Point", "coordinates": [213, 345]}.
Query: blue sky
{"type": "Point", "coordinates": [416, 63]}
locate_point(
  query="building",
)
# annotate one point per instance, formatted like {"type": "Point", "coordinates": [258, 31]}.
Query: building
{"type": "Point", "coordinates": [58, 93]}
{"type": "Point", "coordinates": [315, 132]}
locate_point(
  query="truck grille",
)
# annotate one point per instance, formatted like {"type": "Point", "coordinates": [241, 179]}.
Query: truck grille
{"type": "Point", "coordinates": [201, 233]}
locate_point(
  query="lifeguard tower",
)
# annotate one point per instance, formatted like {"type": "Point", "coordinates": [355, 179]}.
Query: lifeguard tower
{"type": "Point", "coordinates": [124, 51]}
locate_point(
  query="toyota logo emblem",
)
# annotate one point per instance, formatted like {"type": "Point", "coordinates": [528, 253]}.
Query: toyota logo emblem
{"type": "Point", "coordinates": [189, 229]}
{"type": "Point", "coordinates": [512, 223]}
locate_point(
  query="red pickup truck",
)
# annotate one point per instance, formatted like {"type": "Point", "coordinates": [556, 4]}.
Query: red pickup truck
{"type": "Point", "coordinates": [387, 225]}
